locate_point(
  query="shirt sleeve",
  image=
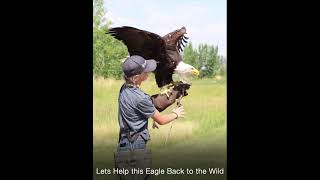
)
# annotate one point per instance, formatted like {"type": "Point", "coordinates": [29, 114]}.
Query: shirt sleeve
{"type": "Point", "coordinates": [146, 107]}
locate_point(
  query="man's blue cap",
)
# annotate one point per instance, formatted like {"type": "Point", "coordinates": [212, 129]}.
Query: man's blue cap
{"type": "Point", "coordinates": [135, 64]}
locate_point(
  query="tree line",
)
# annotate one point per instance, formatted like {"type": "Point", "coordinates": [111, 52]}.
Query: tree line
{"type": "Point", "coordinates": [205, 58]}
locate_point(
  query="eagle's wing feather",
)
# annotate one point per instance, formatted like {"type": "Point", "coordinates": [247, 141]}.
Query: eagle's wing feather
{"type": "Point", "coordinates": [149, 46]}
{"type": "Point", "coordinates": [140, 42]}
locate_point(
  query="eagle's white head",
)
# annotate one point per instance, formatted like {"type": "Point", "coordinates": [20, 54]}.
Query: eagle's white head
{"type": "Point", "coordinates": [185, 71]}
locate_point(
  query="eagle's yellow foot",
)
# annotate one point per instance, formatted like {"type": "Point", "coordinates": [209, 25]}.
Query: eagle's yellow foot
{"type": "Point", "coordinates": [167, 89]}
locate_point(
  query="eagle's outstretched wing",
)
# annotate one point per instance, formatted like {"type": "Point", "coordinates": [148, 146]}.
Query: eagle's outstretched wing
{"type": "Point", "coordinates": [140, 42]}
{"type": "Point", "coordinates": [149, 46]}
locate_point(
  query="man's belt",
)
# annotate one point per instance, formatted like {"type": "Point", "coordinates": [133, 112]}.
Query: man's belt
{"type": "Point", "coordinates": [132, 136]}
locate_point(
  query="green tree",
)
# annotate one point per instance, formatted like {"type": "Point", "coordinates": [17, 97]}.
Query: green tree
{"type": "Point", "coordinates": [190, 55]}
{"type": "Point", "coordinates": [204, 57]}
{"type": "Point", "coordinates": [213, 61]}
{"type": "Point", "coordinates": [223, 66]}
{"type": "Point", "coordinates": [107, 51]}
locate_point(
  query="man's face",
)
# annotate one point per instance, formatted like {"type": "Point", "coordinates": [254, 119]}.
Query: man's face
{"type": "Point", "coordinates": [140, 78]}
{"type": "Point", "coordinates": [144, 76]}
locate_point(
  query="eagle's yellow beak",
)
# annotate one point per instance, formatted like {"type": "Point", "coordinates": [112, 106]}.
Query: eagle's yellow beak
{"type": "Point", "coordinates": [195, 72]}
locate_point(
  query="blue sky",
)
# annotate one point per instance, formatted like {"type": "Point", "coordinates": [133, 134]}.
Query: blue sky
{"type": "Point", "coordinates": [205, 20]}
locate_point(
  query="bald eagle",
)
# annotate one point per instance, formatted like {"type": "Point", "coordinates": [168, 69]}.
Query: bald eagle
{"type": "Point", "coordinates": [165, 50]}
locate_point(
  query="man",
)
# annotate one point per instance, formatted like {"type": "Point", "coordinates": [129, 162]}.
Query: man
{"type": "Point", "coordinates": [135, 108]}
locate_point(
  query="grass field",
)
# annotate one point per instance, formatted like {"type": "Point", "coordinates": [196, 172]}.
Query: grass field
{"type": "Point", "coordinates": [197, 141]}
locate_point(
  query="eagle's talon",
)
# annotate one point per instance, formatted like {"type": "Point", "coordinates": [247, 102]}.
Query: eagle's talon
{"type": "Point", "coordinates": [167, 89]}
